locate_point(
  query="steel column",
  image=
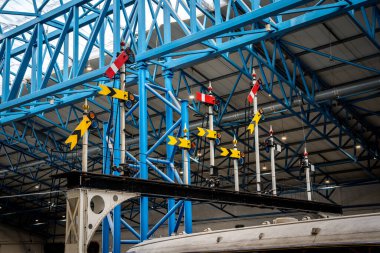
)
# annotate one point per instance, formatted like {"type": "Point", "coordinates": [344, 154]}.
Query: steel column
{"type": "Point", "coordinates": [186, 165]}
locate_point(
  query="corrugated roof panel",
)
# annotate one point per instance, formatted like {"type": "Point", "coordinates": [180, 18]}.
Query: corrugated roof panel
{"type": "Point", "coordinates": [343, 27]}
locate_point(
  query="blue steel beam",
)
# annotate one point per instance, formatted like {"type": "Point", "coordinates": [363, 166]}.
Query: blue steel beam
{"type": "Point", "coordinates": [281, 29]}
{"type": "Point", "coordinates": [143, 77]}
{"type": "Point", "coordinates": [346, 62]}
{"type": "Point", "coordinates": [22, 68]}
{"type": "Point", "coordinates": [45, 18]}
{"type": "Point", "coordinates": [51, 90]}
{"type": "Point", "coordinates": [307, 90]}
{"type": "Point", "coordinates": [297, 153]}
{"type": "Point", "coordinates": [51, 36]}
{"type": "Point", "coordinates": [216, 30]}
{"type": "Point", "coordinates": [143, 115]}
{"type": "Point", "coordinates": [348, 112]}
{"type": "Point", "coordinates": [370, 23]}
{"type": "Point", "coordinates": [82, 23]}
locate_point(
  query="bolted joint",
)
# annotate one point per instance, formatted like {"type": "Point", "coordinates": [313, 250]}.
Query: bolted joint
{"type": "Point", "coordinates": [141, 65]}
{"type": "Point", "coordinates": [168, 73]}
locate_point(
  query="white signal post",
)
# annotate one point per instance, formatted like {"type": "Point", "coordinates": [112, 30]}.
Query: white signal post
{"type": "Point", "coordinates": [272, 163]}
{"type": "Point", "coordinates": [122, 111]}
{"type": "Point", "coordinates": [85, 139]}
{"type": "Point", "coordinates": [236, 168]}
{"type": "Point", "coordinates": [211, 127]}
{"type": "Point", "coordinates": [185, 159]}
{"type": "Point", "coordinates": [257, 151]}
{"type": "Point", "coordinates": [307, 173]}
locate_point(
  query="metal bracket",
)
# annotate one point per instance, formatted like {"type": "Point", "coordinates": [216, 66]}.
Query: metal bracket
{"type": "Point", "coordinates": [86, 208]}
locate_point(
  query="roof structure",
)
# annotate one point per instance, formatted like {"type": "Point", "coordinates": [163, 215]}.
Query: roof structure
{"type": "Point", "coordinates": [320, 73]}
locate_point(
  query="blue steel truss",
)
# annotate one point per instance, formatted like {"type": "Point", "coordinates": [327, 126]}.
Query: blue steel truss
{"type": "Point", "coordinates": [54, 48]}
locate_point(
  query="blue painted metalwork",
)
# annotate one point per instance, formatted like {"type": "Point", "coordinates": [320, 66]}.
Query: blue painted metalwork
{"type": "Point", "coordinates": [242, 29]}
{"type": "Point", "coordinates": [106, 170]}
{"type": "Point", "coordinates": [369, 24]}
{"type": "Point", "coordinates": [186, 166]}
{"type": "Point", "coordinates": [168, 75]}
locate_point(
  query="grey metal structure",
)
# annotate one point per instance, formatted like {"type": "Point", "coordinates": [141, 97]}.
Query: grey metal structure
{"type": "Point", "coordinates": [324, 234]}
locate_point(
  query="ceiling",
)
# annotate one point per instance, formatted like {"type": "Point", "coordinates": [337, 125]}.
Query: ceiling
{"type": "Point", "coordinates": [350, 58]}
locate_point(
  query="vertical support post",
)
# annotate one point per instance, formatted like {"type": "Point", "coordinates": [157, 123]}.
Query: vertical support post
{"type": "Point", "coordinates": [74, 69]}
{"type": "Point", "coordinates": [143, 113]}
{"type": "Point", "coordinates": [236, 168]}
{"type": "Point", "coordinates": [81, 220]}
{"type": "Point", "coordinates": [306, 165]}
{"type": "Point", "coordinates": [37, 60]}
{"type": "Point", "coordinates": [116, 26]}
{"type": "Point", "coordinates": [143, 117]}
{"type": "Point", "coordinates": [6, 71]}
{"type": "Point", "coordinates": [102, 45]}
{"type": "Point", "coordinates": [218, 17]}
{"type": "Point", "coordinates": [122, 112]}
{"type": "Point", "coordinates": [116, 128]}
{"type": "Point", "coordinates": [193, 16]}
{"type": "Point", "coordinates": [116, 162]}
{"type": "Point", "coordinates": [308, 187]}
{"type": "Point", "coordinates": [186, 164]}
{"type": "Point", "coordinates": [66, 58]}
{"type": "Point", "coordinates": [168, 76]}
{"type": "Point", "coordinates": [106, 157]}
{"type": "Point", "coordinates": [272, 163]}
{"type": "Point", "coordinates": [257, 150]}
{"type": "Point", "coordinates": [33, 77]}
{"type": "Point", "coordinates": [85, 139]}
{"type": "Point", "coordinates": [212, 142]}
{"type": "Point", "coordinates": [213, 169]}
{"type": "Point", "coordinates": [40, 59]}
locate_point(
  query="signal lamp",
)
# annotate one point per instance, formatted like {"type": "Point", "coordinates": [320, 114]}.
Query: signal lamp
{"type": "Point", "coordinates": [94, 120]}
{"type": "Point", "coordinates": [91, 115]}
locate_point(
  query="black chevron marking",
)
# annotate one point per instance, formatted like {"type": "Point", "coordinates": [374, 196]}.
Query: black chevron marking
{"type": "Point", "coordinates": [229, 152]}
{"type": "Point", "coordinates": [112, 92]}
{"type": "Point", "coordinates": [77, 133]}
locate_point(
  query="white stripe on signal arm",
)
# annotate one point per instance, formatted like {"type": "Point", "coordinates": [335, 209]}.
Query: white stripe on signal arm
{"type": "Point", "coordinates": [114, 68]}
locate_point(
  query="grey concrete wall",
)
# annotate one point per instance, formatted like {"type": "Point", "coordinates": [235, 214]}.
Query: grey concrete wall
{"type": "Point", "coordinates": [13, 240]}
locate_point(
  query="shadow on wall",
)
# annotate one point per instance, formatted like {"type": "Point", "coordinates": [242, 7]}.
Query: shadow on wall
{"type": "Point", "coordinates": [93, 247]}
{"type": "Point", "coordinates": [54, 248]}
{"type": "Point", "coordinates": [14, 240]}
